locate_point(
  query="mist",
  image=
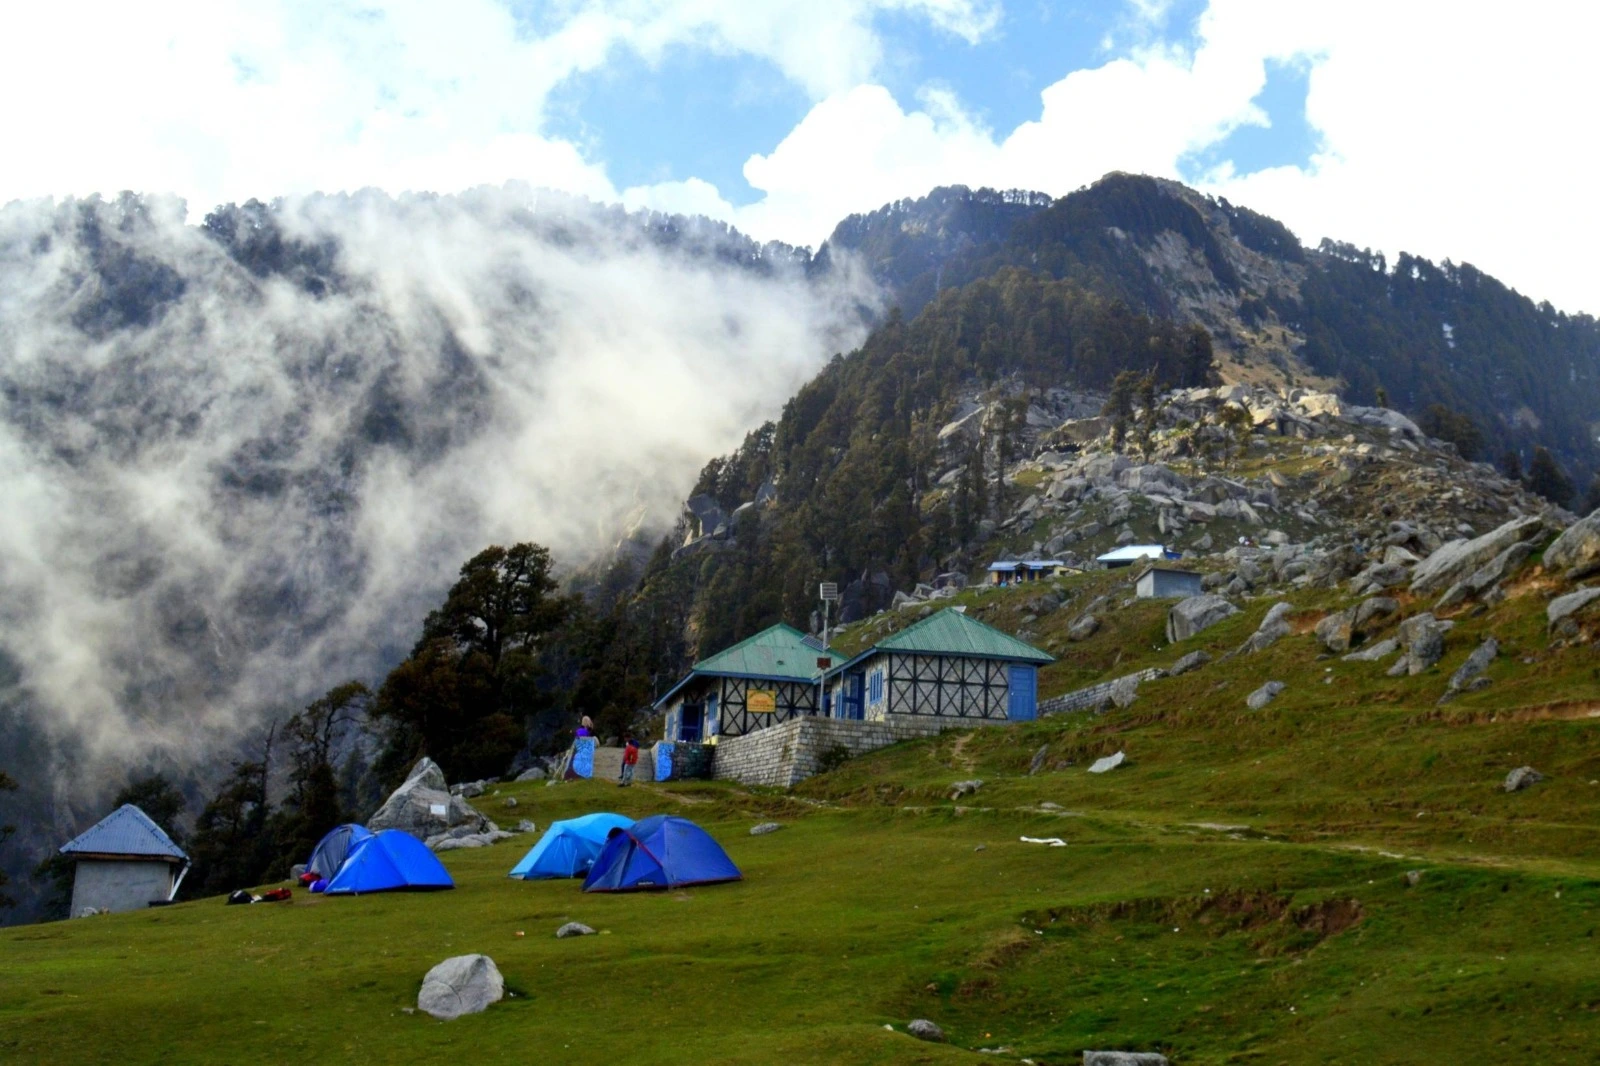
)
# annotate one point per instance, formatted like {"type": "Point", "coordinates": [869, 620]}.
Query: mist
{"type": "Point", "coordinates": [240, 460]}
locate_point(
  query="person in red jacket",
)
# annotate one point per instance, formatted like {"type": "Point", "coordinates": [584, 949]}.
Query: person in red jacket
{"type": "Point", "coordinates": [630, 757]}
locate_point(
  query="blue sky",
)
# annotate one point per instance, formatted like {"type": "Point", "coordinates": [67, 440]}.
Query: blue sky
{"type": "Point", "coordinates": [693, 113]}
{"type": "Point", "coordinates": [1420, 126]}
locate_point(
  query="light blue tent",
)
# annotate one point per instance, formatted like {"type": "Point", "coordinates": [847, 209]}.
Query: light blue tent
{"type": "Point", "coordinates": [569, 848]}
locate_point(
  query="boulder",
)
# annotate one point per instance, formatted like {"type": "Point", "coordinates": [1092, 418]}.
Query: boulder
{"type": "Point", "coordinates": [1273, 627]}
{"type": "Point", "coordinates": [534, 773]}
{"type": "Point", "coordinates": [1083, 628]}
{"type": "Point", "coordinates": [1371, 654]}
{"type": "Point", "coordinates": [526, 826]}
{"type": "Point", "coordinates": [1337, 630]}
{"type": "Point", "coordinates": [509, 801]}
{"type": "Point", "coordinates": [1456, 559]}
{"type": "Point", "coordinates": [465, 984]}
{"type": "Point", "coordinates": [1476, 663]}
{"type": "Point", "coordinates": [573, 929]}
{"type": "Point", "coordinates": [1197, 613]}
{"type": "Point", "coordinates": [1577, 550]}
{"type": "Point", "coordinates": [1560, 610]}
{"type": "Point", "coordinates": [1521, 778]}
{"type": "Point", "coordinates": [923, 1029]}
{"type": "Point", "coordinates": [423, 807]}
{"type": "Point", "coordinates": [1264, 695]}
{"type": "Point", "coordinates": [965, 788]}
{"type": "Point", "coordinates": [764, 828]}
{"type": "Point", "coordinates": [1123, 1058]}
{"type": "Point", "coordinates": [1374, 610]}
{"type": "Point", "coordinates": [1039, 757]}
{"type": "Point", "coordinates": [1110, 762]}
{"type": "Point", "coordinates": [1193, 661]}
{"type": "Point", "coordinates": [468, 789]}
{"type": "Point", "coordinates": [1423, 638]}
{"type": "Point", "coordinates": [1124, 690]}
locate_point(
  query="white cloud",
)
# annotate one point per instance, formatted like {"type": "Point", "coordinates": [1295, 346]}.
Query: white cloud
{"type": "Point", "coordinates": [234, 99]}
{"type": "Point", "coordinates": [1445, 132]}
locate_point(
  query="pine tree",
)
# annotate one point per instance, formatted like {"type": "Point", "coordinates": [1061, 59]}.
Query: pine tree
{"type": "Point", "coordinates": [1546, 478]}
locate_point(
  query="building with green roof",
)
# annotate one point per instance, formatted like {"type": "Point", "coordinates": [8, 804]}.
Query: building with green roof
{"type": "Point", "coordinates": [948, 665]}
{"type": "Point", "coordinates": [760, 681]}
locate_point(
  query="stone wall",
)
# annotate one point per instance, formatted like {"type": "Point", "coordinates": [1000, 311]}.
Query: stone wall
{"type": "Point", "coordinates": [785, 754]}
{"type": "Point", "coordinates": [1087, 699]}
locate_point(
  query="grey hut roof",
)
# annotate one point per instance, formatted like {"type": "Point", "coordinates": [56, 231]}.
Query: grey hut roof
{"type": "Point", "coordinates": [125, 831]}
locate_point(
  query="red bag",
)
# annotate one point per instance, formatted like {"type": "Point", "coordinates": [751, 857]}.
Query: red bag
{"type": "Point", "coordinates": [276, 895]}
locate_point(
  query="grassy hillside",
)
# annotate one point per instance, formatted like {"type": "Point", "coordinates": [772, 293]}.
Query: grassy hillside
{"type": "Point", "coordinates": [1237, 894]}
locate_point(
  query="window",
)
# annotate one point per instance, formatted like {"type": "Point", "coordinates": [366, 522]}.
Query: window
{"type": "Point", "coordinates": [875, 687]}
{"type": "Point", "coordinates": [712, 722]}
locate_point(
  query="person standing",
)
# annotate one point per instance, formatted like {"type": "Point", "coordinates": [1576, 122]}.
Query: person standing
{"type": "Point", "coordinates": [630, 758]}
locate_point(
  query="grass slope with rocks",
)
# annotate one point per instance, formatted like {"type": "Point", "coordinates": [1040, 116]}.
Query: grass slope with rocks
{"type": "Point", "coordinates": [1337, 877]}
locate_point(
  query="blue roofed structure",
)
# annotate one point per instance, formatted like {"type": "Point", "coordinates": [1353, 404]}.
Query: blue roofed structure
{"type": "Point", "coordinates": [762, 680]}
{"type": "Point", "coordinates": [126, 831]}
{"type": "Point", "coordinates": [124, 862]}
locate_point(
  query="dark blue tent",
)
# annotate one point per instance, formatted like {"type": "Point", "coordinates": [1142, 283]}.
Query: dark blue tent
{"type": "Point", "coordinates": [569, 848]}
{"type": "Point", "coordinates": [659, 852]}
{"type": "Point", "coordinates": [391, 860]}
{"type": "Point", "coordinates": [335, 847]}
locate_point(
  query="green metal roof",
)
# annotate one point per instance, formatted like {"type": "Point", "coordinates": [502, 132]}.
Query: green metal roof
{"type": "Point", "coordinates": [950, 632]}
{"type": "Point", "coordinates": [777, 652]}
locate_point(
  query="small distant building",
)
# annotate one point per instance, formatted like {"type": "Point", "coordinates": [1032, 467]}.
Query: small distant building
{"type": "Point", "coordinates": [947, 666]}
{"type": "Point", "coordinates": [761, 681]}
{"type": "Point", "coordinates": [1017, 573]}
{"type": "Point", "coordinates": [1132, 553]}
{"type": "Point", "coordinates": [124, 862]}
{"type": "Point", "coordinates": [1165, 583]}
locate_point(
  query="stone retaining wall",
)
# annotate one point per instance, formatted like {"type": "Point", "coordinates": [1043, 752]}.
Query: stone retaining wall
{"type": "Point", "coordinates": [787, 753]}
{"type": "Point", "coordinates": [1087, 699]}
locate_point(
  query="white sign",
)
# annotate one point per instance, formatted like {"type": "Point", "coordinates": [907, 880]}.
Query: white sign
{"type": "Point", "coordinates": [439, 809]}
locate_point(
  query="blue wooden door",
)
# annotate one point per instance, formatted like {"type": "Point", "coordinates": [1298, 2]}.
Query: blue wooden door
{"type": "Point", "coordinates": [853, 705]}
{"type": "Point", "coordinates": [1023, 703]}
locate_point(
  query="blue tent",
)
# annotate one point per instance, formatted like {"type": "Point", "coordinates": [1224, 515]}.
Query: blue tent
{"type": "Point", "coordinates": [569, 848]}
{"type": "Point", "coordinates": [659, 852]}
{"type": "Point", "coordinates": [391, 860]}
{"type": "Point", "coordinates": [335, 847]}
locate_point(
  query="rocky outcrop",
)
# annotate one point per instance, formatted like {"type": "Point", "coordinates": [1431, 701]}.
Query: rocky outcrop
{"type": "Point", "coordinates": [1476, 664]}
{"type": "Point", "coordinates": [1459, 558]}
{"type": "Point", "coordinates": [1197, 613]}
{"type": "Point", "coordinates": [1577, 551]}
{"type": "Point", "coordinates": [1274, 627]}
{"type": "Point", "coordinates": [1264, 695]}
{"type": "Point", "coordinates": [1561, 611]}
{"type": "Point", "coordinates": [1422, 637]}
{"type": "Point", "coordinates": [424, 807]}
{"type": "Point", "coordinates": [1193, 661]}
{"type": "Point", "coordinates": [923, 1029]}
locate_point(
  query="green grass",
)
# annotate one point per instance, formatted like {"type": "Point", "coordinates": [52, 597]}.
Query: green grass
{"type": "Point", "coordinates": [1237, 894]}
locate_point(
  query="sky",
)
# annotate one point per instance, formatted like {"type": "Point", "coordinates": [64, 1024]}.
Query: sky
{"type": "Point", "coordinates": [1457, 130]}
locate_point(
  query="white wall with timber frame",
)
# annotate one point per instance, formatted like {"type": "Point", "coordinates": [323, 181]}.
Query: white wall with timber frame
{"type": "Point", "coordinates": [944, 686]}
{"type": "Point", "coordinates": [723, 705]}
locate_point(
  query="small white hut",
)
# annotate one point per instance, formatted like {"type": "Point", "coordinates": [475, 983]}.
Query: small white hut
{"type": "Point", "coordinates": [124, 863]}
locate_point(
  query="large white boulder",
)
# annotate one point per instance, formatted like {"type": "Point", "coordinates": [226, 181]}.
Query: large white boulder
{"type": "Point", "coordinates": [424, 807]}
{"type": "Point", "coordinates": [1457, 559]}
{"type": "Point", "coordinates": [1190, 616]}
{"type": "Point", "coordinates": [1578, 548]}
{"type": "Point", "coordinates": [465, 984]}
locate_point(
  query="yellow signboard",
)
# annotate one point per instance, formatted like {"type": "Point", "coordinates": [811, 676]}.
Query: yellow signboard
{"type": "Point", "coordinates": [761, 701]}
